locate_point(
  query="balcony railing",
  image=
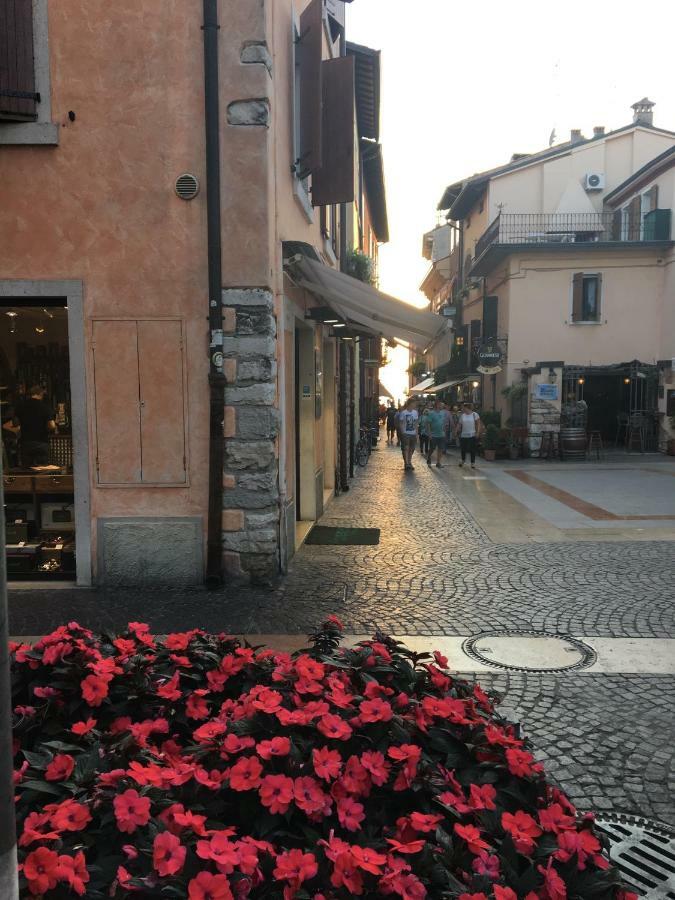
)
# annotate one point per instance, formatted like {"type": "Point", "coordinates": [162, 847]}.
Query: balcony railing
{"type": "Point", "coordinates": [574, 228]}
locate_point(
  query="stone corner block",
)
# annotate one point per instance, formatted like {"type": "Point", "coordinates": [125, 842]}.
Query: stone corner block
{"type": "Point", "coordinates": [256, 52]}
{"type": "Point", "coordinates": [257, 296]}
{"type": "Point", "coordinates": [249, 112]}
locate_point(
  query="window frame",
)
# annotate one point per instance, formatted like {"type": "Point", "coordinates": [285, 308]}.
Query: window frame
{"type": "Point", "coordinates": [41, 131]}
{"type": "Point", "coordinates": [598, 276]}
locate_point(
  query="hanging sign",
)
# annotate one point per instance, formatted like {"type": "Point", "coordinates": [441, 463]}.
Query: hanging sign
{"type": "Point", "coordinates": [490, 358]}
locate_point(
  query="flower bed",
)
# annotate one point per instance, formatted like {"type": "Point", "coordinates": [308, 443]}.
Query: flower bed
{"type": "Point", "coordinates": [194, 767]}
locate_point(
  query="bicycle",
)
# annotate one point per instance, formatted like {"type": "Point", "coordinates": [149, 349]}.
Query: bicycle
{"type": "Point", "coordinates": [363, 446]}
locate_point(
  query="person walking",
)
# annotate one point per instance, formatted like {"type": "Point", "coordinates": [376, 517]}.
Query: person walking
{"type": "Point", "coordinates": [469, 428]}
{"type": "Point", "coordinates": [423, 431]}
{"type": "Point", "coordinates": [408, 423]}
{"type": "Point", "coordinates": [392, 413]}
{"type": "Point", "coordinates": [435, 423]}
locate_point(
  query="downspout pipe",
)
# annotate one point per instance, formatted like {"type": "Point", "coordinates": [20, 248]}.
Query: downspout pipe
{"type": "Point", "coordinates": [214, 551]}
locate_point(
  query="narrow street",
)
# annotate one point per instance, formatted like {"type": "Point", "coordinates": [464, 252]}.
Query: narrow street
{"type": "Point", "coordinates": [459, 557]}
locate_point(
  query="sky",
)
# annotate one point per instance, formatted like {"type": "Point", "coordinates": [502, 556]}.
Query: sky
{"type": "Point", "coordinates": [466, 85]}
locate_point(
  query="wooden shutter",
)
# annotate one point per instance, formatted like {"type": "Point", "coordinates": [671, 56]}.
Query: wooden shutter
{"type": "Point", "coordinates": [334, 181]}
{"type": "Point", "coordinates": [578, 297]}
{"type": "Point", "coordinates": [634, 219]}
{"type": "Point", "coordinates": [116, 385]}
{"type": "Point", "coordinates": [490, 318]}
{"type": "Point", "coordinates": [598, 298]}
{"type": "Point", "coordinates": [653, 197]}
{"type": "Point", "coordinates": [162, 402]}
{"type": "Point", "coordinates": [310, 50]}
{"type": "Point", "coordinates": [616, 225]}
{"type": "Point", "coordinates": [17, 70]}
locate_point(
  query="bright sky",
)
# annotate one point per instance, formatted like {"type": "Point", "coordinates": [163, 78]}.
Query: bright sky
{"type": "Point", "coordinates": [465, 85]}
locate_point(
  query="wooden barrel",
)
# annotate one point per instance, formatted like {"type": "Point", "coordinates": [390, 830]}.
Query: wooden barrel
{"type": "Point", "coordinates": [573, 443]}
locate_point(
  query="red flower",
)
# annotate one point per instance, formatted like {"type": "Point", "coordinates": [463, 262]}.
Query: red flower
{"type": "Point", "coordinates": [69, 815]}
{"type": "Point", "coordinates": [375, 711]}
{"type": "Point", "coordinates": [334, 727]}
{"type": "Point", "coordinates": [94, 689]}
{"type": "Point", "coordinates": [368, 859]}
{"type": "Point", "coordinates": [308, 794]}
{"type": "Point", "coordinates": [422, 822]}
{"type": "Point", "coordinates": [355, 778]}
{"type": "Point", "coordinates": [170, 690]}
{"type": "Point", "coordinates": [206, 886]}
{"type": "Point", "coordinates": [32, 829]}
{"type": "Point", "coordinates": [407, 846]}
{"type": "Point", "coordinates": [523, 830]}
{"type": "Point", "coordinates": [554, 819]}
{"type": "Point", "coordinates": [521, 763]}
{"type": "Point", "coordinates": [296, 867]}
{"type": "Point", "coordinates": [471, 835]}
{"type": "Point", "coordinates": [278, 746]}
{"type": "Point", "coordinates": [376, 765]}
{"type": "Point", "coordinates": [350, 813]}
{"type": "Point", "coordinates": [333, 620]}
{"type": "Point", "coordinates": [583, 843]}
{"type": "Point", "coordinates": [485, 864]}
{"type": "Point", "coordinates": [266, 700]}
{"type": "Point", "coordinates": [554, 885]}
{"type": "Point", "coordinates": [482, 797]}
{"type": "Point", "coordinates": [41, 869]}
{"type": "Point", "coordinates": [309, 668]}
{"type": "Point", "coordinates": [276, 792]}
{"type": "Point", "coordinates": [196, 706]}
{"type": "Point", "coordinates": [504, 893]}
{"type": "Point", "coordinates": [245, 774]}
{"type": "Point", "coordinates": [131, 810]}
{"type": "Point", "coordinates": [60, 767]}
{"type": "Point", "coordinates": [221, 850]}
{"type": "Point", "coordinates": [327, 763]}
{"type": "Point", "coordinates": [441, 660]}
{"type": "Point", "coordinates": [472, 897]}
{"type": "Point", "coordinates": [495, 734]}
{"type": "Point", "coordinates": [73, 870]}
{"type": "Point", "coordinates": [346, 874]}
{"type": "Point", "coordinates": [168, 854]}
{"type": "Point", "coordinates": [410, 888]}
{"type": "Point", "coordinates": [82, 728]}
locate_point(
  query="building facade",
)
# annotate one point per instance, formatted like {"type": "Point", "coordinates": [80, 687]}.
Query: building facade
{"type": "Point", "coordinates": [171, 401]}
{"type": "Point", "coordinates": [566, 270]}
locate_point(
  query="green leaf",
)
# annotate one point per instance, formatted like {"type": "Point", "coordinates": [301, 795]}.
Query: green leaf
{"type": "Point", "coordinates": [42, 786]}
{"type": "Point", "coordinates": [38, 760]}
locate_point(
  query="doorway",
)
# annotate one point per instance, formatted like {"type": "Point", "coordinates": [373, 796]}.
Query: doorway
{"type": "Point", "coordinates": [305, 437]}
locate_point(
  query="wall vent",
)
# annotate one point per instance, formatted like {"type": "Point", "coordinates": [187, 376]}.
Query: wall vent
{"type": "Point", "coordinates": [187, 186]}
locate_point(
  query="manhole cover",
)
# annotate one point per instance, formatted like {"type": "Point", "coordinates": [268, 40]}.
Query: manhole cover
{"type": "Point", "coordinates": [529, 651]}
{"type": "Point", "coordinates": [644, 852]}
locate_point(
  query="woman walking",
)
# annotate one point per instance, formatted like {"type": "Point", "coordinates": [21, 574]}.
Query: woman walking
{"type": "Point", "coordinates": [469, 428]}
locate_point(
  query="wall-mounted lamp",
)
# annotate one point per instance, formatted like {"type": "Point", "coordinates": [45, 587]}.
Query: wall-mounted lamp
{"type": "Point", "coordinates": [626, 381]}
{"type": "Point", "coordinates": [475, 384]}
{"type": "Point", "coordinates": [582, 381]}
{"type": "Point", "coordinates": [552, 377]}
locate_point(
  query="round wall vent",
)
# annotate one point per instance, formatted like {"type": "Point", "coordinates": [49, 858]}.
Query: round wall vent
{"type": "Point", "coordinates": [187, 186]}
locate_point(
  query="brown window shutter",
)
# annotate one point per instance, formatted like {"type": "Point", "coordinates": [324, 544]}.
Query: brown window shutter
{"type": "Point", "coordinates": [17, 71]}
{"type": "Point", "coordinates": [578, 297]}
{"type": "Point", "coordinates": [653, 194]}
{"type": "Point", "coordinates": [634, 219]}
{"type": "Point", "coordinates": [334, 181]}
{"type": "Point", "coordinates": [616, 225]}
{"type": "Point", "coordinates": [310, 50]}
{"type": "Point", "coordinates": [598, 298]}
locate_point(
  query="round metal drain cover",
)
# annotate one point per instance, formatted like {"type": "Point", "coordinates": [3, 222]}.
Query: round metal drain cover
{"type": "Point", "coordinates": [643, 851]}
{"type": "Point", "coordinates": [529, 651]}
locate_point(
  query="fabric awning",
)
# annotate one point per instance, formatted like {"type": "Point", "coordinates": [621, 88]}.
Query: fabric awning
{"type": "Point", "coordinates": [422, 386]}
{"type": "Point", "coordinates": [443, 387]}
{"type": "Point", "coordinates": [366, 307]}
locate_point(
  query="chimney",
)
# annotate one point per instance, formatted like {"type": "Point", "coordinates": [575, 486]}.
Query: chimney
{"type": "Point", "coordinates": [576, 136]}
{"type": "Point", "coordinates": [643, 112]}
{"type": "Point", "coordinates": [598, 131]}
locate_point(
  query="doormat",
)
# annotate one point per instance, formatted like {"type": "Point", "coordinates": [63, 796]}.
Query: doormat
{"type": "Point", "coordinates": [329, 534]}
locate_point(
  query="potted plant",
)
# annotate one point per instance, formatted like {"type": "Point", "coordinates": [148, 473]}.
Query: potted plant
{"type": "Point", "coordinates": [514, 445]}
{"type": "Point", "coordinates": [490, 442]}
{"type": "Point", "coordinates": [671, 440]}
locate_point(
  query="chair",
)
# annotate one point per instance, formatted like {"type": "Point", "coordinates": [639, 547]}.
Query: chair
{"type": "Point", "coordinates": [621, 426]}
{"type": "Point", "coordinates": [595, 445]}
{"type": "Point", "coordinates": [635, 432]}
{"type": "Point", "coordinates": [550, 445]}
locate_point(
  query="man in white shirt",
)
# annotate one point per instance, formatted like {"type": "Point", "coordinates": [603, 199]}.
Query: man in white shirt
{"type": "Point", "coordinates": [408, 421]}
{"type": "Point", "coordinates": [469, 428]}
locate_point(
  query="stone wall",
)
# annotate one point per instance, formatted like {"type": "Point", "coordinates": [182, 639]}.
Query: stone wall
{"type": "Point", "coordinates": [544, 415]}
{"type": "Point", "coordinates": [251, 423]}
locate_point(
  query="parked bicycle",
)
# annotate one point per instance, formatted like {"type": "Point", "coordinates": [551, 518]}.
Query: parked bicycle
{"type": "Point", "coordinates": [368, 437]}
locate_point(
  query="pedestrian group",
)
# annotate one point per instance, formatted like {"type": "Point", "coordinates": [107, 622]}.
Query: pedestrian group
{"type": "Point", "coordinates": [437, 427]}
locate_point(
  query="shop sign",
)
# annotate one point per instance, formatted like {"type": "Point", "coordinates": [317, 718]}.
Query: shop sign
{"type": "Point", "coordinates": [448, 311]}
{"type": "Point", "coordinates": [546, 392]}
{"type": "Point", "coordinates": [490, 358]}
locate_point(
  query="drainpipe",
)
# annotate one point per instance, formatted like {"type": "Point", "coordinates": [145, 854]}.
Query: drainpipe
{"type": "Point", "coordinates": [214, 553]}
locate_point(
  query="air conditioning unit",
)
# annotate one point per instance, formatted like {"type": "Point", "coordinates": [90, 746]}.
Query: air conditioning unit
{"type": "Point", "coordinates": [594, 181]}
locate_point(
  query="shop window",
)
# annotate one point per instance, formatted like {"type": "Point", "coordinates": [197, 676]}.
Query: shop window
{"type": "Point", "coordinates": [586, 298]}
{"type": "Point", "coordinates": [139, 378]}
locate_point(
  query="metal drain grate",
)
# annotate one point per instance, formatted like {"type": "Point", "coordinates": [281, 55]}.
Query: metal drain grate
{"type": "Point", "coordinates": [644, 852]}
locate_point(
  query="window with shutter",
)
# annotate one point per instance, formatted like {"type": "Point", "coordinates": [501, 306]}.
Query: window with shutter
{"type": "Point", "coordinates": [490, 317]}
{"type": "Point", "coordinates": [334, 182]}
{"type": "Point", "coordinates": [18, 99]}
{"type": "Point", "coordinates": [139, 370]}
{"type": "Point", "coordinates": [586, 297]}
{"type": "Point", "coordinates": [634, 219]}
{"type": "Point", "coordinates": [616, 225]}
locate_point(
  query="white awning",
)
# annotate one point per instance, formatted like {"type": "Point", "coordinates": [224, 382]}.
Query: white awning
{"type": "Point", "coordinates": [422, 386]}
{"type": "Point", "coordinates": [366, 307]}
{"type": "Point", "coordinates": [443, 387]}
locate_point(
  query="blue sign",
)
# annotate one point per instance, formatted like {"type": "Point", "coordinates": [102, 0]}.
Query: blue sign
{"type": "Point", "coordinates": [546, 391]}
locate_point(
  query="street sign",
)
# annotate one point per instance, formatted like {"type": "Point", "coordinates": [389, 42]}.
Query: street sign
{"type": "Point", "coordinates": [490, 356]}
{"type": "Point", "coordinates": [448, 311]}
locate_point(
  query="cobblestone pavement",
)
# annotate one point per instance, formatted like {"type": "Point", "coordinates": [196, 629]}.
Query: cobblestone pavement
{"type": "Point", "coordinates": [607, 738]}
